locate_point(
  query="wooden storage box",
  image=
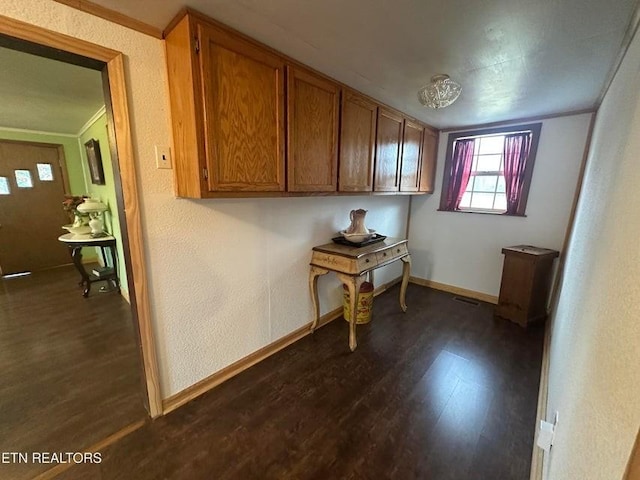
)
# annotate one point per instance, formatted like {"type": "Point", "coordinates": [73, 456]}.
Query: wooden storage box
{"type": "Point", "coordinates": [526, 280]}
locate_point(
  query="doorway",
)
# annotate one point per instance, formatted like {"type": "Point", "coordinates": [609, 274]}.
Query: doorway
{"type": "Point", "coordinates": [32, 182]}
{"type": "Point", "coordinates": [29, 39]}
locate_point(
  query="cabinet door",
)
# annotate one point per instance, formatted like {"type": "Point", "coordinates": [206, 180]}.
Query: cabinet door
{"type": "Point", "coordinates": [388, 151]}
{"type": "Point", "coordinates": [429, 160]}
{"type": "Point", "coordinates": [312, 154]}
{"type": "Point", "coordinates": [357, 143]}
{"type": "Point", "coordinates": [243, 87]}
{"type": "Point", "coordinates": [411, 153]}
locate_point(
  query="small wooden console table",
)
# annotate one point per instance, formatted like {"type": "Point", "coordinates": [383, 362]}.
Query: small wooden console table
{"type": "Point", "coordinates": [351, 264]}
{"type": "Point", "coordinates": [75, 244]}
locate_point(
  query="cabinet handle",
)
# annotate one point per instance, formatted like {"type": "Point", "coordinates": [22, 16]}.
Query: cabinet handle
{"type": "Point", "coordinates": [398, 250]}
{"type": "Point", "coordinates": [367, 260]}
{"type": "Point", "coordinates": [384, 254]}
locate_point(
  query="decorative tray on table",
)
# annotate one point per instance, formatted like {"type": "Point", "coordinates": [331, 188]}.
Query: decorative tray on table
{"type": "Point", "coordinates": [374, 239]}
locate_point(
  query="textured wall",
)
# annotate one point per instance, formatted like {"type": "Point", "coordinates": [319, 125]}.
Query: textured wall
{"type": "Point", "coordinates": [237, 272]}
{"type": "Point", "coordinates": [226, 276]}
{"type": "Point", "coordinates": [594, 377]}
{"type": "Point", "coordinates": [463, 249]}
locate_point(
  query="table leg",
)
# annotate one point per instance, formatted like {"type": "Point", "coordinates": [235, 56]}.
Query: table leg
{"type": "Point", "coordinates": [76, 255]}
{"type": "Point", "coordinates": [353, 284]}
{"type": "Point", "coordinates": [314, 273]}
{"type": "Point", "coordinates": [406, 270]}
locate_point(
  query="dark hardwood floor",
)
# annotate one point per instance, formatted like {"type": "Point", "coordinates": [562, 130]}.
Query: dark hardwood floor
{"type": "Point", "coordinates": [69, 367]}
{"type": "Point", "coordinates": [441, 392]}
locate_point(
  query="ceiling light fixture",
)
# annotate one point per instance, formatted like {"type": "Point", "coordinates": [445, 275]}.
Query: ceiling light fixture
{"type": "Point", "coordinates": [440, 92]}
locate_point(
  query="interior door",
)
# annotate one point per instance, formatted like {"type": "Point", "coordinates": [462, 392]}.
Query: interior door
{"type": "Point", "coordinates": [32, 189]}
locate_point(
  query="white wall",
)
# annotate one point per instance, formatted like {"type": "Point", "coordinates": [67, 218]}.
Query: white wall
{"type": "Point", "coordinates": [230, 276]}
{"type": "Point", "coordinates": [464, 249]}
{"type": "Point", "coordinates": [594, 376]}
{"type": "Point", "coordinates": [226, 276]}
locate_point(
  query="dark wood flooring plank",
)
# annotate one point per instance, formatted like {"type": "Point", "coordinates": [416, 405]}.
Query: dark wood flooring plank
{"type": "Point", "coordinates": [69, 367]}
{"type": "Point", "coordinates": [441, 392]}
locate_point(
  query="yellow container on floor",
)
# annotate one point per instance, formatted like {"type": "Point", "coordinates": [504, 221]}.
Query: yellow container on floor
{"type": "Point", "coordinates": [365, 303]}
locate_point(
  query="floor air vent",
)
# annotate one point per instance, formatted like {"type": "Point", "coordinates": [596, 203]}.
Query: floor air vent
{"type": "Point", "coordinates": [467, 301]}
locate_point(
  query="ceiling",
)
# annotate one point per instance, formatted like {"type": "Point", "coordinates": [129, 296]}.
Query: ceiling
{"type": "Point", "coordinates": [514, 58]}
{"type": "Point", "coordinates": [37, 93]}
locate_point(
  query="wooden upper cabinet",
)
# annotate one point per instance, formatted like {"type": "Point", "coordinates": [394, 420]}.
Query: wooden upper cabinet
{"type": "Point", "coordinates": [429, 160]}
{"type": "Point", "coordinates": [227, 110]}
{"type": "Point", "coordinates": [248, 121]}
{"type": "Point", "coordinates": [388, 151]}
{"type": "Point", "coordinates": [243, 87]}
{"type": "Point", "coordinates": [411, 156]}
{"type": "Point", "coordinates": [357, 142]}
{"type": "Point", "coordinates": [312, 147]}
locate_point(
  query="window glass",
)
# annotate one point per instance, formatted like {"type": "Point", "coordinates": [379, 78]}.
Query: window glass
{"type": "Point", "coordinates": [45, 172]}
{"type": "Point", "coordinates": [4, 186]}
{"type": "Point", "coordinates": [23, 179]}
{"type": "Point", "coordinates": [466, 199]}
{"type": "Point", "coordinates": [488, 163]}
{"type": "Point", "coordinates": [501, 201]}
{"type": "Point", "coordinates": [482, 201]}
{"type": "Point", "coordinates": [485, 183]}
{"type": "Point", "coordinates": [493, 144]}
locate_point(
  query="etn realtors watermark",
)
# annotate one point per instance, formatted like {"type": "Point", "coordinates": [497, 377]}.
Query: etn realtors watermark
{"type": "Point", "coordinates": [50, 457]}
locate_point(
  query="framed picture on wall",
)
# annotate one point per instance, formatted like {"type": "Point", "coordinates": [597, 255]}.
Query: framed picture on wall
{"type": "Point", "coordinates": [95, 162]}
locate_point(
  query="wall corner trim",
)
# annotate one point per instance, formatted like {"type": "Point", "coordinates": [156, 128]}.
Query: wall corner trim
{"type": "Point", "coordinates": [101, 111]}
{"type": "Point", "coordinates": [113, 16]}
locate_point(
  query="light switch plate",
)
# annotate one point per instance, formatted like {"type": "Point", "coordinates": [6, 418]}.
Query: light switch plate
{"type": "Point", "coordinates": [545, 435]}
{"type": "Point", "coordinates": [163, 157]}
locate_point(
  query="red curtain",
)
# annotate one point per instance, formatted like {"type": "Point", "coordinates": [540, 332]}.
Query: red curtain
{"type": "Point", "coordinates": [516, 154]}
{"type": "Point", "coordinates": [459, 173]}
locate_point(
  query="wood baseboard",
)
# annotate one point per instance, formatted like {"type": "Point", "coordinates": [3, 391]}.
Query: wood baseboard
{"type": "Point", "coordinates": [177, 400]}
{"type": "Point", "coordinates": [633, 467]}
{"type": "Point", "coordinates": [537, 455]}
{"type": "Point", "coordinates": [463, 292]}
{"type": "Point", "coordinates": [383, 288]}
{"type": "Point", "coordinates": [125, 295]}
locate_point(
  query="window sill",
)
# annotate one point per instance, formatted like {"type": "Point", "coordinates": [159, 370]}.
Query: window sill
{"type": "Point", "coordinates": [484, 212]}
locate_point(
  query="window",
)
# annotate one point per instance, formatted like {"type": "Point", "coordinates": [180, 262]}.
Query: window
{"type": "Point", "coordinates": [4, 186]}
{"type": "Point", "coordinates": [489, 171]}
{"type": "Point", "coordinates": [45, 172]}
{"type": "Point", "coordinates": [23, 179]}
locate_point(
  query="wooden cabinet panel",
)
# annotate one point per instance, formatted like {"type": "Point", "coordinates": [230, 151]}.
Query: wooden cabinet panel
{"type": "Point", "coordinates": [312, 154]}
{"type": "Point", "coordinates": [411, 154]}
{"type": "Point", "coordinates": [243, 113]}
{"type": "Point", "coordinates": [388, 151]}
{"type": "Point", "coordinates": [186, 105]}
{"type": "Point", "coordinates": [429, 161]}
{"type": "Point", "coordinates": [357, 143]}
